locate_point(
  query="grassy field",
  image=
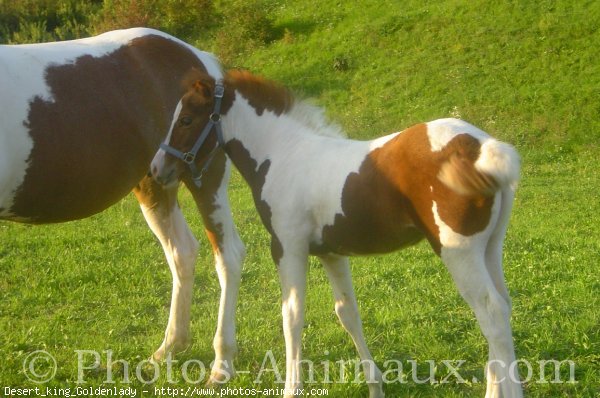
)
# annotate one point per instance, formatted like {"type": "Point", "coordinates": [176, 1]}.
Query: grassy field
{"type": "Point", "coordinates": [526, 73]}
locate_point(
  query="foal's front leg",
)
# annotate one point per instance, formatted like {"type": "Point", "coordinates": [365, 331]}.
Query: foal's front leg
{"type": "Point", "coordinates": [292, 267]}
{"type": "Point", "coordinates": [229, 252]}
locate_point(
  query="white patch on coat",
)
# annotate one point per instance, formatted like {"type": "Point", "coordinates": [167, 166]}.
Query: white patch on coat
{"type": "Point", "coordinates": [304, 157]}
{"type": "Point", "coordinates": [381, 141]}
{"type": "Point", "coordinates": [442, 131]}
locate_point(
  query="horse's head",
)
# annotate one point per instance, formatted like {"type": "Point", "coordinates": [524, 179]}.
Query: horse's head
{"type": "Point", "coordinates": [193, 136]}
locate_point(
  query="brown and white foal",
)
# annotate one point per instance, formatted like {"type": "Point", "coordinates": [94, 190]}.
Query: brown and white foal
{"type": "Point", "coordinates": [321, 194]}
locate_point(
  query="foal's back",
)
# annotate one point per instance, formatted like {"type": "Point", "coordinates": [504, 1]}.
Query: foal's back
{"type": "Point", "coordinates": [396, 190]}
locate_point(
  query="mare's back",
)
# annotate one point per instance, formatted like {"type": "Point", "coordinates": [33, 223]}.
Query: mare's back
{"type": "Point", "coordinates": [81, 120]}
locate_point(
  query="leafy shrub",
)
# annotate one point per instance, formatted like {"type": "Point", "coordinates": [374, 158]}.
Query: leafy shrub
{"type": "Point", "coordinates": [181, 18]}
{"type": "Point", "coordinates": [122, 14]}
{"type": "Point", "coordinates": [31, 21]}
{"type": "Point", "coordinates": [245, 26]}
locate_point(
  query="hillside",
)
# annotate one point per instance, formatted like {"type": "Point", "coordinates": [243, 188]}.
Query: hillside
{"type": "Point", "coordinates": [526, 72]}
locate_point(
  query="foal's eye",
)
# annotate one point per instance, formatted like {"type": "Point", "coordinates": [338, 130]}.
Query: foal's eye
{"type": "Point", "coordinates": [185, 121]}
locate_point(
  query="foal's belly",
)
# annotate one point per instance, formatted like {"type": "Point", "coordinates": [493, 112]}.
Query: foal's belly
{"type": "Point", "coordinates": [346, 239]}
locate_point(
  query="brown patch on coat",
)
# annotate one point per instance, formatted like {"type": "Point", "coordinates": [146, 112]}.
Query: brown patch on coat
{"type": "Point", "coordinates": [198, 100]}
{"type": "Point", "coordinates": [255, 176]}
{"type": "Point", "coordinates": [388, 203]}
{"type": "Point", "coordinates": [376, 217]}
{"type": "Point", "coordinates": [215, 239]}
{"type": "Point", "coordinates": [94, 141]}
{"type": "Point", "coordinates": [261, 93]}
{"type": "Point", "coordinates": [465, 203]}
{"type": "Point", "coordinates": [153, 196]}
{"type": "Point", "coordinates": [206, 197]}
{"type": "Point", "coordinates": [460, 174]}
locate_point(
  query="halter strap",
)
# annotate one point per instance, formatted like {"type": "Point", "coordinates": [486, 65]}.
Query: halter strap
{"type": "Point", "coordinates": [214, 121]}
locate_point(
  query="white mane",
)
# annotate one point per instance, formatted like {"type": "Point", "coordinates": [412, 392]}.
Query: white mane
{"type": "Point", "coordinates": [314, 118]}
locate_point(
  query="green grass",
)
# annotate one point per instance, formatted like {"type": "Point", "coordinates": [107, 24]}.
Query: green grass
{"type": "Point", "coordinates": [527, 73]}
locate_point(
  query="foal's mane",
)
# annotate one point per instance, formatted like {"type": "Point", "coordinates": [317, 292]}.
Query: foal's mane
{"type": "Point", "coordinates": [264, 94]}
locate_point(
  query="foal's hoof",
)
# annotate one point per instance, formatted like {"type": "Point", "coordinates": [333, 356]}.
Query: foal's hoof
{"type": "Point", "coordinates": [162, 353]}
{"type": "Point", "coordinates": [158, 356]}
{"type": "Point", "coordinates": [216, 380]}
{"type": "Point", "coordinates": [220, 375]}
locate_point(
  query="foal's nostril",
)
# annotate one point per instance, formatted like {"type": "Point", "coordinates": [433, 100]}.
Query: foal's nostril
{"type": "Point", "coordinates": [163, 177]}
{"type": "Point", "coordinates": [160, 180]}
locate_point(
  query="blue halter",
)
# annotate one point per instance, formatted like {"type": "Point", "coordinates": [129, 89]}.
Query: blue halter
{"type": "Point", "coordinates": [214, 121]}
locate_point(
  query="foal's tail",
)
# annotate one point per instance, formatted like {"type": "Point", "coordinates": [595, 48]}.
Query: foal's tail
{"type": "Point", "coordinates": [496, 168]}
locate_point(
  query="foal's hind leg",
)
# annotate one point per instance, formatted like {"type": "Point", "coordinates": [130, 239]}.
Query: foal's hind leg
{"type": "Point", "coordinates": [346, 308]}
{"type": "Point", "coordinates": [164, 217]}
{"type": "Point", "coordinates": [493, 262]}
{"type": "Point", "coordinates": [468, 269]}
{"type": "Point", "coordinates": [228, 249]}
{"type": "Point", "coordinates": [494, 249]}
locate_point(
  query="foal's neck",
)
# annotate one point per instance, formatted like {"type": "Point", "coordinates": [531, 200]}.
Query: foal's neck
{"type": "Point", "coordinates": [257, 140]}
{"type": "Point", "coordinates": [264, 132]}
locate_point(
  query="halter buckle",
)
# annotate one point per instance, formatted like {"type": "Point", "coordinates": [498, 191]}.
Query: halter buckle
{"type": "Point", "coordinates": [188, 157]}
{"type": "Point", "coordinates": [219, 89]}
{"type": "Point", "coordinates": [215, 117]}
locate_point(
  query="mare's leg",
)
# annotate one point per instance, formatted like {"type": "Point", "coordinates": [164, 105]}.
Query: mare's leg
{"type": "Point", "coordinates": [475, 284]}
{"type": "Point", "coordinates": [346, 308]}
{"type": "Point", "coordinates": [164, 217]}
{"type": "Point", "coordinates": [292, 267]}
{"type": "Point", "coordinates": [212, 201]}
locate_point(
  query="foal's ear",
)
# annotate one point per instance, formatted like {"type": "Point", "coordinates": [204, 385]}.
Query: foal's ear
{"type": "Point", "coordinates": [204, 87]}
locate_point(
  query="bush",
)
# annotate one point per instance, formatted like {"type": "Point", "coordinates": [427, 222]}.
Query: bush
{"type": "Point", "coordinates": [32, 21]}
{"type": "Point", "coordinates": [181, 18]}
{"type": "Point", "coordinates": [246, 25]}
{"type": "Point", "coordinates": [230, 28]}
{"type": "Point", "coordinates": [119, 14]}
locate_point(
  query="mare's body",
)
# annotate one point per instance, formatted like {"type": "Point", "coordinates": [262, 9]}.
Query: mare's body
{"type": "Point", "coordinates": [79, 123]}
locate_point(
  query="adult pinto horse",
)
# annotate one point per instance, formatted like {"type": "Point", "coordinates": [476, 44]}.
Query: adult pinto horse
{"type": "Point", "coordinates": [79, 124]}
{"type": "Point", "coordinates": [325, 195]}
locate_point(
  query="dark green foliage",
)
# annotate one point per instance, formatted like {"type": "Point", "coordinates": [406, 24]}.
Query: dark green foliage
{"type": "Point", "coordinates": [246, 25]}
{"type": "Point", "coordinates": [235, 27]}
{"type": "Point", "coordinates": [32, 21]}
{"type": "Point", "coordinates": [186, 19]}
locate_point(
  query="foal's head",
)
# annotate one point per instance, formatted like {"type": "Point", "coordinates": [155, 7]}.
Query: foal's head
{"type": "Point", "coordinates": [195, 129]}
{"type": "Point", "coordinates": [195, 118]}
